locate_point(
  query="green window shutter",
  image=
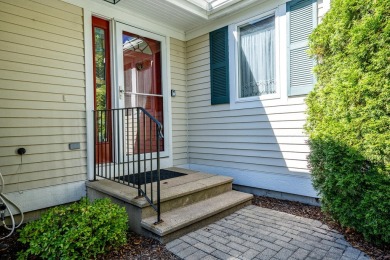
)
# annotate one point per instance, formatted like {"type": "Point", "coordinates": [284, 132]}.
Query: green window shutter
{"type": "Point", "coordinates": [302, 19]}
{"type": "Point", "coordinates": [219, 66]}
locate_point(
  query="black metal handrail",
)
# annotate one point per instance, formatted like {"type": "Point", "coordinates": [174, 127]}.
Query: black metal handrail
{"type": "Point", "coordinates": [127, 150]}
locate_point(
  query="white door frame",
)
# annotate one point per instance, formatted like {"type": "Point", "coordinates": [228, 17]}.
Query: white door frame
{"type": "Point", "coordinates": [118, 95]}
{"type": "Point", "coordinates": [94, 9]}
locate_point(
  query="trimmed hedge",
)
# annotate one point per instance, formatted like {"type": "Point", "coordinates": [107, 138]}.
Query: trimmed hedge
{"type": "Point", "coordinates": [81, 230]}
{"type": "Point", "coordinates": [349, 115]}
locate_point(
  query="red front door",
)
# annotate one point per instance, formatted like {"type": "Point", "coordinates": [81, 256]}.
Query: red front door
{"type": "Point", "coordinates": [102, 89]}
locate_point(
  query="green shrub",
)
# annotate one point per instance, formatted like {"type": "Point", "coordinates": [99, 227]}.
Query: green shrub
{"type": "Point", "coordinates": [77, 231]}
{"type": "Point", "coordinates": [349, 115]}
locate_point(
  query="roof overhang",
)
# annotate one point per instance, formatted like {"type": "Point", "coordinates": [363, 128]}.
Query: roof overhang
{"type": "Point", "coordinates": [183, 19]}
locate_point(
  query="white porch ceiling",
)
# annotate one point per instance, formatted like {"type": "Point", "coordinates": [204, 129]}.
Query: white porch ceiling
{"type": "Point", "coordinates": [184, 15]}
{"type": "Point", "coordinates": [164, 12]}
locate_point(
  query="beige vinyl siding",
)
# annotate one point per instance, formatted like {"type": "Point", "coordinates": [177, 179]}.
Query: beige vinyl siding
{"type": "Point", "coordinates": [268, 139]}
{"type": "Point", "coordinates": [42, 93]}
{"type": "Point", "coordinates": [179, 103]}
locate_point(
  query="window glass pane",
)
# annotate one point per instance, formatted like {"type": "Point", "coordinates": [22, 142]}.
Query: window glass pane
{"type": "Point", "coordinates": [100, 69]}
{"type": "Point", "coordinates": [257, 58]}
{"type": "Point", "coordinates": [143, 88]}
{"type": "Point", "coordinates": [148, 131]}
{"type": "Point", "coordinates": [142, 64]}
{"type": "Point", "coordinates": [102, 134]}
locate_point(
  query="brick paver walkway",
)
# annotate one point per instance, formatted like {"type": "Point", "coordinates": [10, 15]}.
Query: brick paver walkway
{"type": "Point", "coordinates": [259, 233]}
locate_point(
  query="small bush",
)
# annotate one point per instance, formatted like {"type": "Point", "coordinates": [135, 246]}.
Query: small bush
{"type": "Point", "coordinates": [349, 116]}
{"type": "Point", "coordinates": [77, 231]}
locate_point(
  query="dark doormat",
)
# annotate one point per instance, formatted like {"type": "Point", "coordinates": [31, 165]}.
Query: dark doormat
{"type": "Point", "coordinates": [164, 175]}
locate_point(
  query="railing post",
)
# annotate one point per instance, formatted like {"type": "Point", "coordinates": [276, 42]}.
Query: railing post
{"type": "Point", "coordinates": [158, 175]}
{"type": "Point", "coordinates": [94, 145]}
{"type": "Point", "coordinates": [114, 143]}
{"type": "Point", "coordinates": [138, 152]}
{"type": "Point", "coordinates": [123, 144]}
{"type": "Point", "coordinates": [110, 137]}
{"type": "Point", "coordinates": [127, 146]}
{"type": "Point", "coordinates": [151, 158]}
{"type": "Point", "coordinates": [144, 143]}
{"type": "Point", "coordinates": [133, 144]}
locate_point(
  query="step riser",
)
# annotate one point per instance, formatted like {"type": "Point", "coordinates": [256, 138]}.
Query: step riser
{"type": "Point", "coordinates": [188, 199]}
{"type": "Point", "coordinates": [188, 203]}
{"type": "Point", "coordinates": [136, 214]}
{"type": "Point", "coordinates": [200, 224]}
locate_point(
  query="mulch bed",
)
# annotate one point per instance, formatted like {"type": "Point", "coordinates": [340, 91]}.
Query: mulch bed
{"type": "Point", "coordinates": [139, 247]}
{"type": "Point", "coordinates": [12, 245]}
{"type": "Point", "coordinates": [314, 212]}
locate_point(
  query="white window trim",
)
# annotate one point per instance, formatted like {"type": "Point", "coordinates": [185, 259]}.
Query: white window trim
{"type": "Point", "coordinates": [280, 60]}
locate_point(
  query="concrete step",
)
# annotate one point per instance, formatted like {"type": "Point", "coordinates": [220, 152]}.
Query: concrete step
{"type": "Point", "coordinates": [175, 193]}
{"type": "Point", "coordinates": [180, 221]}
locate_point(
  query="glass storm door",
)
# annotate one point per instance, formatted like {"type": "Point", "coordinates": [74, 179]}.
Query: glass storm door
{"type": "Point", "coordinates": [141, 58]}
{"type": "Point", "coordinates": [102, 89]}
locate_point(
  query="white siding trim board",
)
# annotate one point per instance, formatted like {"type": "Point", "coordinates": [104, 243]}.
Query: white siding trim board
{"type": "Point", "coordinates": [293, 184]}
{"type": "Point", "coordinates": [46, 197]}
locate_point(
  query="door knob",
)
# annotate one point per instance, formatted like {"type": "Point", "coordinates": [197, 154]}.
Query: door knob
{"type": "Point", "coordinates": [121, 92]}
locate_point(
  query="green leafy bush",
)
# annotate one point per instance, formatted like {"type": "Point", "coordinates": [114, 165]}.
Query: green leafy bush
{"type": "Point", "coordinates": [349, 115]}
{"type": "Point", "coordinates": [77, 231]}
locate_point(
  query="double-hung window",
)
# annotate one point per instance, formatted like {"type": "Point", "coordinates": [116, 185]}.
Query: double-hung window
{"type": "Point", "coordinates": [264, 57]}
{"type": "Point", "coordinates": [255, 45]}
{"type": "Point", "coordinates": [256, 58]}
{"type": "Point", "coordinates": [252, 50]}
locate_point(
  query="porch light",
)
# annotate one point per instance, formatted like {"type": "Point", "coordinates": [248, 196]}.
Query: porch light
{"type": "Point", "coordinates": [112, 1]}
